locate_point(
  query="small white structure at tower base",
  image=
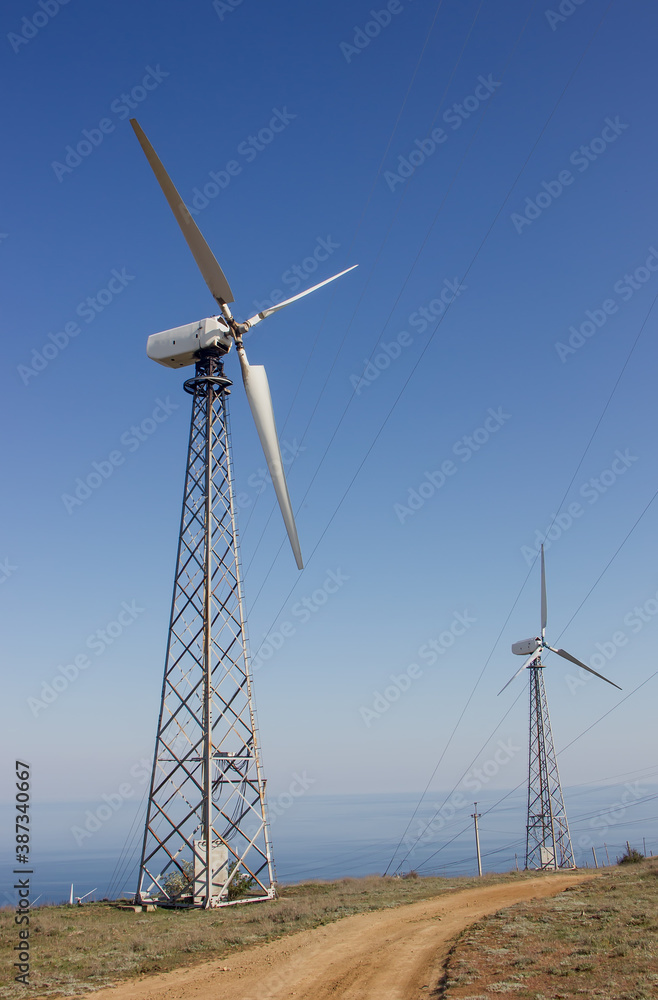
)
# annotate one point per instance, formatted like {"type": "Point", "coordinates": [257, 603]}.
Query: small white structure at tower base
{"type": "Point", "coordinates": [219, 863]}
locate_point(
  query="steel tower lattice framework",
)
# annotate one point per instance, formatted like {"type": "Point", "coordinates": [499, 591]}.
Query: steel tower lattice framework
{"type": "Point", "coordinates": [206, 821]}
{"type": "Point", "coordinates": [548, 841]}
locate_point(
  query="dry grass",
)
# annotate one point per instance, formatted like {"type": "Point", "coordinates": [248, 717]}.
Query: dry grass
{"type": "Point", "coordinates": [69, 945]}
{"type": "Point", "coordinates": [599, 939]}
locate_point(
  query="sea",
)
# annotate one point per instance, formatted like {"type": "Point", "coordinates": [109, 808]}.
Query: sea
{"type": "Point", "coordinates": [342, 836]}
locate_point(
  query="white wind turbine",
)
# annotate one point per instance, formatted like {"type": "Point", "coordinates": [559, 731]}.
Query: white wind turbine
{"type": "Point", "coordinates": [207, 794]}
{"type": "Point", "coordinates": [548, 841]}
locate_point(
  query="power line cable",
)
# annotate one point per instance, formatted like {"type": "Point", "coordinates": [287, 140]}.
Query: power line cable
{"type": "Point", "coordinates": [373, 266]}
{"type": "Point", "coordinates": [440, 320]}
{"type": "Point", "coordinates": [560, 752]}
{"type": "Point", "coordinates": [559, 507]}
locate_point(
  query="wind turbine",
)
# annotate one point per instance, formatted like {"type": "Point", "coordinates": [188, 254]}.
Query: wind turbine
{"type": "Point", "coordinates": [548, 841]}
{"type": "Point", "coordinates": [207, 792]}
{"type": "Point", "coordinates": [79, 899]}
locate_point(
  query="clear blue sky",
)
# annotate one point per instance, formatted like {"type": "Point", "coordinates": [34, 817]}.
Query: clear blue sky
{"type": "Point", "coordinates": [204, 81]}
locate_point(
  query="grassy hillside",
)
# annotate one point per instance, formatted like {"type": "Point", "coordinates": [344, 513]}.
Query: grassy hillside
{"type": "Point", "coordinates": [599, 939]}
{"type": "Point", "coordinates": [70, 944]}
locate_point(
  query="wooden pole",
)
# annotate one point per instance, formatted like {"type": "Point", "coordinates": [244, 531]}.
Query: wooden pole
{"type": "Point", "coordinates": [476, 816]}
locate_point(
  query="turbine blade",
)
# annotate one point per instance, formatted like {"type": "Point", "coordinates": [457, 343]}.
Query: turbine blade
{"type": "Point", "coordinates": [543, 594]}
{"type": "Point", "coordinates": [579, 663]}
{"type": "Point", "coordinates": [211, 271]}
{"type": "Point", "coordinates": [268, 312]}
{"type": "Point", "coordinates": [260, 401]}
{"type": "Point", "coordinates": [533, 656]}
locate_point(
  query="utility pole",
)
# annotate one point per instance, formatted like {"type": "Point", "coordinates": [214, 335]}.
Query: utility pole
{"type": "Point", "coordinates": [644, 845]}
{"type": "Point", "coordinates": [606, 853]}
{"type": "Point", "coordinates": [596, 864]}
{"type": "Point", "coordinates": [476, 816]}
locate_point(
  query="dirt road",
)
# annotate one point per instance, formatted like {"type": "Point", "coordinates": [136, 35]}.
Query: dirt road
{"type": "Point", "coordinates": [394, 954]}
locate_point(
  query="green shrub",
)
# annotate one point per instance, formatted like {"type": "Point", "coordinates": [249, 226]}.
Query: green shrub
{"type": "Point", "coordinates": [631, 857]}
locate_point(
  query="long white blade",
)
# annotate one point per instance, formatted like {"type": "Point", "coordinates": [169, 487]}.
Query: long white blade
{"type": "Point", "coordinates": [579, 663]}
{"type": "Point", "coordinates": [533, 656]}
{"type": "Point", "coordinates": [268, 312]}
{"type": "Point", "coordinates": [212, 273]}
{"type": "Point", "coordinates": [543, 595]}
{"type": "Point", "coordinates": [260, 401]}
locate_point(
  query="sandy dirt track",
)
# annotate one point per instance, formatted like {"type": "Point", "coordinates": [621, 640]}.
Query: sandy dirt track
{"type": "Point", "coordinates": [393, 954]}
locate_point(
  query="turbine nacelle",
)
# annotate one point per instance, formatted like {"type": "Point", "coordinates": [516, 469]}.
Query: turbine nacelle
{"type": "Point", "coordinates": [180, 347]}
{"type": "Point", "coordinates": [526, 646]}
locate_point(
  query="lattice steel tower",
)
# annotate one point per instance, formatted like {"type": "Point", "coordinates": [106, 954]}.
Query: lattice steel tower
{"type": "Point", "coordinates": [206, 817]}
{"type": "Point", "coordinates": [206, 840]}
{"type": "Point", "coordinates": [548, 841]}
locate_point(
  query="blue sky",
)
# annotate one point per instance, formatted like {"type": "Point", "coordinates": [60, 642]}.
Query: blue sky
{"type": "Point", "coordinates": [527, 236]}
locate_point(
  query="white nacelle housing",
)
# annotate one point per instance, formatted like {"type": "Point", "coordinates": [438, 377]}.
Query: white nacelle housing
{"type": "Point", "coordinates": [525, 647]}
{"type": "Point", "coordinates": [179, 347]}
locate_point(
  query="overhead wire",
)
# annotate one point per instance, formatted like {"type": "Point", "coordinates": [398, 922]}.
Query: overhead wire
{"type": "Point", "coordinates": [507, 196]}
{"type": "Point", "coordinates": [596, 427]}
{"type": "Point", "coordinates": [532, 565]}
{"type": "Point", "coordinates": [373, 266]}
{"type": "Point", "coordinates": [457, 783]}
{"type": "Point", "coordinates": [436, 327]}
{"type": "Point", "coordinates": [561, 751]}
{"type": "Point", "coordinates": [387, 417]}
{"type": "Point", "coordinates": [125, 857]}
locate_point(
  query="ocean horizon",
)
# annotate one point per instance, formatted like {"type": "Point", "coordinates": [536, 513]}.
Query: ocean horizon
{"type": "Point", "coordinates": [329, 837]}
